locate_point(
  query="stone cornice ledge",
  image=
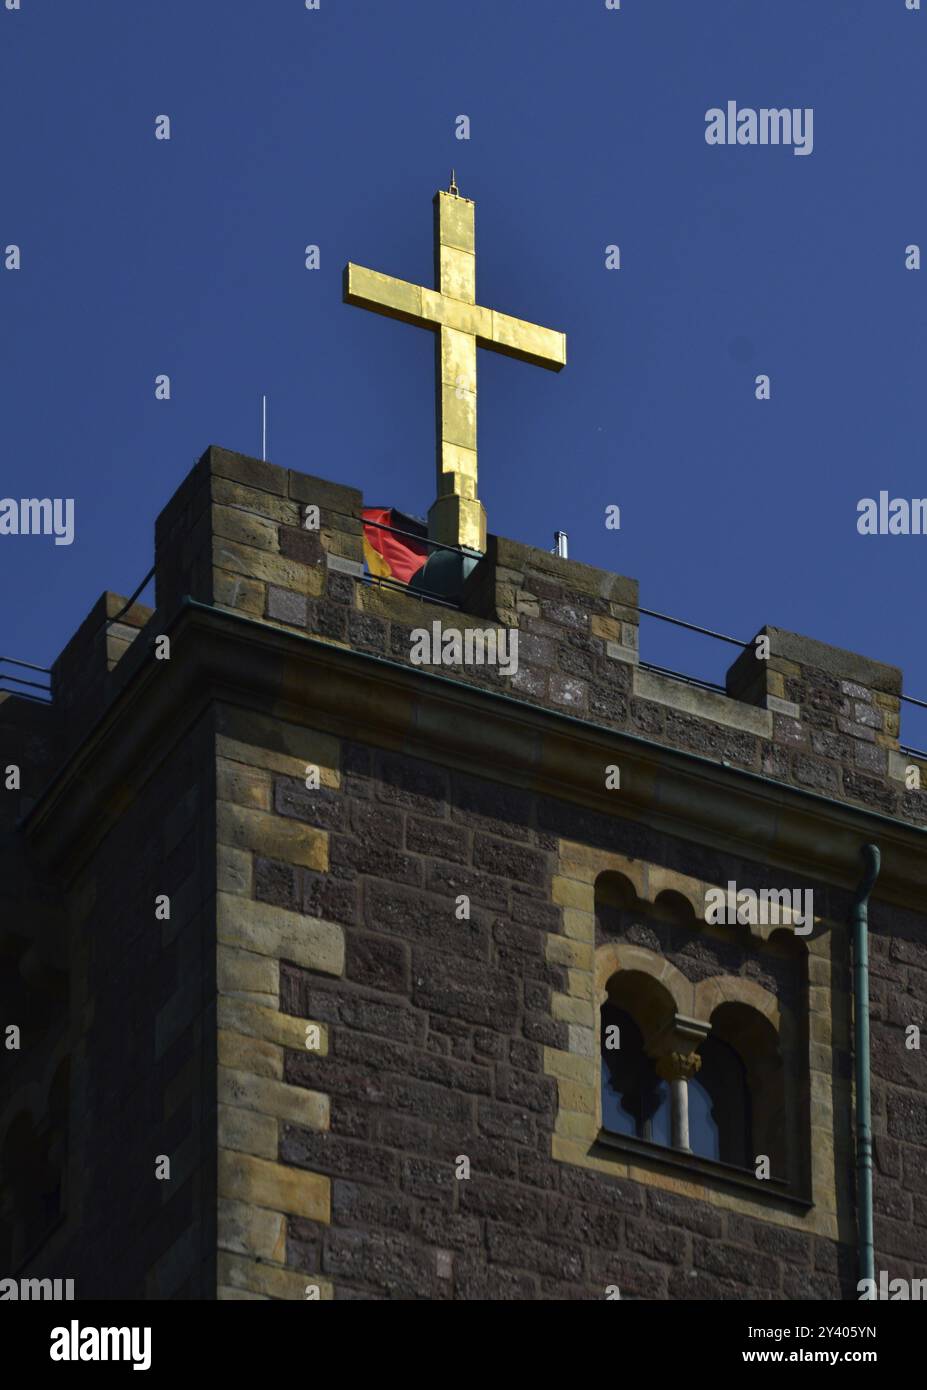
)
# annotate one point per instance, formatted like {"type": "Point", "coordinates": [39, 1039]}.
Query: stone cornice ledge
{"type": "Point", "coordinates": [224, 656]}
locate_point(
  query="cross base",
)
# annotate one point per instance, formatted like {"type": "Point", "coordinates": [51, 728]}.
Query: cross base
{"type": "Point", "coordinates": [459, 521]}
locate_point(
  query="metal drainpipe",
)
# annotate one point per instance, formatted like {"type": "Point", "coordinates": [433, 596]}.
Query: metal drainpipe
{"type": "Point", "coordinates": [860, 916]}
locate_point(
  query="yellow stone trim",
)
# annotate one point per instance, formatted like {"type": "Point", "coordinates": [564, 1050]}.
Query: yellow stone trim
{"type": "Point", "coordinates": [609, 629]}
{"type": "Point", "coordinates": [270, 1024]}
{"type": "Point", "coordinates": [247, 1132]}
{"type": "Point", "coordinates": [660, 880]}
{"type": "Point", "coordinates": [275, 837]}
{"type": "Point", "coordinates": [248, 1230]}
{"type": "Point", "coordinates": [578, 1076]}
{"type": "Point", "coordinates": [240, 595]}
{"type": "Point", "coordinates": [247, 976]}
{"type": "Point", "coordinates": [568, 1065]}
{"type": "Point", "coordinates": [819, 971]}
{"type": "Point", "coordinates": [274, 1185]}
{"type": "Point", "coordinates": [256, 1191]}
{"type": "Point", "coordinates": [246, 786]}
{"type": "Point", "coordinates": [730, 989]}
{"type": "Point", "coordinates": [238, 1272]}
{"type": "Point", "coordinates": [573, 1095]}
{"type": "Point", "coordinates": [580, 860]}
{"type": "Point", "coordinates": [253, 502]}
{"type": "Point", "coordinates": [279, 933]}
{"type": "Point", "coordinates": [562, 951]}
{"type": "Point", "coordinates": [678, 1066]}
{"type": "Point", "coordinates": [569, 1010]}
{"type": "Point", "coordinates": [818, 999]}
{"type": "Point", "coordinates": [580, 984]}
{"type": "Point", "coordinates": [569, 892]}
{"type": "Point", "coordinates": [576, 924]}
{"type": "Point", "coordinates": [252, 563]}
{"type": "Point", "coordinates": [576, 1125]}
{"type": "Point", "coordinates": [245, 527]}
{"type": "Point", "coordinates": [302, 748]}
{"type": "Point", "coordinates": [620, 955]}
{"type": "Point", "coordinates": [234, 870]}
{"type": "Point", "coordinates": [242, 1053]}
{"type": "Point", "coordinates": [267, 1096]}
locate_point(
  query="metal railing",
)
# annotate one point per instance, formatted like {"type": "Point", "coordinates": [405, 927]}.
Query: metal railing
{"type": "Point", "coordinates": [129, 601]}
{"type": "Point", "coordinates": [691, 627]}
{"type": "Point", "coordinates": [7, 679]}
{"type": "Point", "coordinates": [43, 693]}
{"type": "Point", "coordinates": [426, 595]}
{"type": "Point", "coordinates": [382, 582]}
{"type": "Point", "coordinates": [419, 540]}
{"type": "Point", "coordinates": [685, 680]}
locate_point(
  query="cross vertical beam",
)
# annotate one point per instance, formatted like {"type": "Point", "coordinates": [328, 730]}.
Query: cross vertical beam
{"type": "Point", "coordinates": [456, 511]}
{"type": "Point", "coordinates": [460, 325]}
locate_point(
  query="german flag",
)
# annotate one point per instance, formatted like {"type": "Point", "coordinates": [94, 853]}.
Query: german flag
{"type": "Point", "coordinates": [390, 556]}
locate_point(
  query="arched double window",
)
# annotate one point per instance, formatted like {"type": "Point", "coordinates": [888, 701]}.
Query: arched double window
{"type": "Point", "coordinates": [693, 1038]}
{"type": "Point", "coordinates": [733, 1088]}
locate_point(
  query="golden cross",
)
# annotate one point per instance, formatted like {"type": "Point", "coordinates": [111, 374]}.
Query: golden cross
{"type": "Point", "coordinates": [457, 517]}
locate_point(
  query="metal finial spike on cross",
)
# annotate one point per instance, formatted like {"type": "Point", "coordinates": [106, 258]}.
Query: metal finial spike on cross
{"type": "Point", "coordinates": [453, 188]}
{"type": "Point", "coordinates": [460, 325]}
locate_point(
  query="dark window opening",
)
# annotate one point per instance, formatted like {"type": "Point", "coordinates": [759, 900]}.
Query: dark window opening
{"type": "Point", "coordinates": [635, 1100]}
{"type": "Point", "coordinates": [720, 1123]}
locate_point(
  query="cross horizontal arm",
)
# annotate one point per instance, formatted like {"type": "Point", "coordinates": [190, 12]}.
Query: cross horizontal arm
{"type": "Point", "coordinates": [529, 342]}
{"type": "Point", "coordinates": [384, 294]}
{"type": "Point", "coordinates": [399, 299]}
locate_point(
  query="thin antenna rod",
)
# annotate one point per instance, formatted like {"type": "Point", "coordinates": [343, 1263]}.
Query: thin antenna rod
{"type": "Point", "coordinates": [264, 428]}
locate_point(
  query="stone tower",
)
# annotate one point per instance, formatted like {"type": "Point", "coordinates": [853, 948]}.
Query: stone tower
{"type": "Point", "coordinates": [340, 936]}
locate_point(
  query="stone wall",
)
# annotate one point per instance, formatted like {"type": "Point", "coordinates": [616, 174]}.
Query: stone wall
{"type": "Point", "coordinates": [898, 991]}
{"type": "Point", "coordinates": [144, 1050]}
{"type": "Point", "coordinates": [131, 1011]}
{"type": "Point", "coordinates": [809, 715]}
{"type": "Point", "coordinates": [262, 767]}
{"type": "Point", "coordinates": [440, 1034]}
{"type": "Point", "coordinates": [315, 1037]}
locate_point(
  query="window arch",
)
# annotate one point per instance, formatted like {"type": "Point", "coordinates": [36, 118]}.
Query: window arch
{"type": "Point", "coordinates": [695, 1068]}
{"type": "Point", "coordinates": [720, 1106]}
{"type": "Point", "coordinates": [755, 1041]}
{"type": "Point", "coordinates": [635, 1100]}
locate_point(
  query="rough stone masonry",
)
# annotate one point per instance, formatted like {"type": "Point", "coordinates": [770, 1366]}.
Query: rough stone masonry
{"type": "Point", "coordinates": [366, 1036]}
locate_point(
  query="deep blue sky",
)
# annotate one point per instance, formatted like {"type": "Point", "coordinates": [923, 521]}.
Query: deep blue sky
{"type": "Point", "coordinates": [335, 127]}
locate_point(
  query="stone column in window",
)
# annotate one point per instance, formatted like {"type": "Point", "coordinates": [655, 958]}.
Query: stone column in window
{"type": "Point", "coordinates": [674, 1049]}
{"type": "Point", "coordinates": [677, 1068]}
